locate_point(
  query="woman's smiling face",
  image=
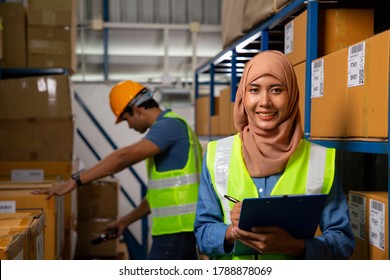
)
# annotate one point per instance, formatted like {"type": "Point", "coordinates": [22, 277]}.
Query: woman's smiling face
{"type": "Point", "coordinates": [266, 102]}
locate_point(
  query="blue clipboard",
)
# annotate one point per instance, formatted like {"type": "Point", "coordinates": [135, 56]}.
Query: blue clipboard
{"type": "Point", "coordinates": [299, 215]}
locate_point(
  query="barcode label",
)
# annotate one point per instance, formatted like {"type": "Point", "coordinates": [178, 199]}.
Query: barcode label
{"type": "Point", "coordinates": [317, 78]}
{"type": "Point", "coordinates": [377, 205]}
{"type": "Point", "coordinates": [357, 48]}
{"type": "Point", "coordinates": [357, 199]}
{"type": "Point", "coordinates": [289, 37]}
{"type": "Point", "coordinates": [356, 61]}
{"type": "Point", "coordinates": [357, 214]}
{"type": "Point", "coordinates": [377, 224]}
{"type": "Point", "coordinates": [317, 64]}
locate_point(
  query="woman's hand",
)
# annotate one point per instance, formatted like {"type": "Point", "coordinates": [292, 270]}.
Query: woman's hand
{"type": "Point", "coordinates": [270, 239]}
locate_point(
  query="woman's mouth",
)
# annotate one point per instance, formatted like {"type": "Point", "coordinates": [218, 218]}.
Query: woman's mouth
{"type": "Point", "coordinates": [266, 115]}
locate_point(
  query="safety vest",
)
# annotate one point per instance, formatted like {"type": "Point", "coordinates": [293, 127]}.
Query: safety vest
{"type": "Point", "coordinates": [310, 170]}
{"type": "Point", "coordinates": [172, 195]}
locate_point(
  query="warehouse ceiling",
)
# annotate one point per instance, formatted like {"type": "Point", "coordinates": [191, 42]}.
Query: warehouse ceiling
{"type": "Point", "coordinates": [150, 41]}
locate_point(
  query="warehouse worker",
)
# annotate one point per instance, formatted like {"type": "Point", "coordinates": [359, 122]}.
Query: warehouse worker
{"type": "Point", "coordinates": [269, 157]}
{"type": "Point", "coordinates": [173, 159]}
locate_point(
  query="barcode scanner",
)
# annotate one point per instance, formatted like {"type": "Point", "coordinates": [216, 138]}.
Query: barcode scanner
{"type": "Point", "coordinates": [103, 237]}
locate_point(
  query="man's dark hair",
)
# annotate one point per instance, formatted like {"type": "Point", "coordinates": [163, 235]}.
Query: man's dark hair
{"type": "Point", "coordinates": [151, 103]}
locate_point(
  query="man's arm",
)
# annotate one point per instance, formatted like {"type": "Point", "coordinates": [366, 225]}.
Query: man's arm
{"type": "Point", "coordinates": [113, 163]}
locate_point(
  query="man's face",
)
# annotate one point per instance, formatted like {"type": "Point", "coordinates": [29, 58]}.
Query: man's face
{"type": "Point", "coordinates": [135, 121]}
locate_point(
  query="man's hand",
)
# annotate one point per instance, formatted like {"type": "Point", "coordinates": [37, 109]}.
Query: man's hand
{"type": "Point", "coordinates": [57, 189]}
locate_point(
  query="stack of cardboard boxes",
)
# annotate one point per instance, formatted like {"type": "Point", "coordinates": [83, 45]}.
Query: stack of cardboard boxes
{"type": "Point", "coordinates": [337, 29]}
{"type": "Point", "coordinates": [17, 197]}
{"type": "Point", "coordinates": [97, 207]}
{"type": "Point", "coordinates": [37, 136]}
{"type": "Point", "coordinates": [349, 100]}
{"type": "Point", "coordinates": [41, 34]}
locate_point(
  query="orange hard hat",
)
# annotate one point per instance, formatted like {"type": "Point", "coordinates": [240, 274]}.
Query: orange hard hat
{"type": "Point", "coordinates": [121, 95]}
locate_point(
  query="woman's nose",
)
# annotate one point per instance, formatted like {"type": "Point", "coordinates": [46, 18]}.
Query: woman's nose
{"type": "Point", "coordinates": [264, 99]}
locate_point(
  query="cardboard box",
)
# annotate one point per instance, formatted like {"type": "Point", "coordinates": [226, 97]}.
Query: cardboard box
{"type": "Point", "coordinates": [378, 247]}
{"type": "Point", "coordinates": [36, 139]}
{"type": "Point", "coordinates": [36, 97]}
{"type": "Point", "coordinates": [215, 120]}
{"type": "Point", "coordinates": [368, 87]}
{"type": "Point", "coordinates": [358, 207]}
{"type": "Point", "coordinates": [52, 13]}
{"type": "Point", "coordinates": [52, 47]}
{"type": "Point", "coordinates": [1, 39]}
{"type": "Point", "coordinates": [13, 35]}
{"type": "Point", "coordinates": [12, 246]}
{"type": "Point", "coordinates": [20, 195]}
{"type": "Point", "coordinates": [203, 116]}
{"type": "Point", "coordinates": [32, 220]}
{"type": "Point", "coordinates": [17, 226]}
{"type": "Point", "coordinates": [44, 171]}
{"type": "Point", "coordinates": [369, 221]}
{"type": "Point", "coordinates": [300, 72]}
{"type": "Point", "coordinates": [231, 18]}
{"type": "Point", "coordinates": [89, 230]}
{"type": "Point", "coordinates": [337, 29]}
{"type": "Point", "coordinates": [98, 199]}
{"type": "Point", "coordinates": [225, 112]}
{"type": "Point", "coordinates": [233, 129]}
{"type": "Point", "coordinates": [329, 95]}
{"type": "Point", "coordinates": [256, 12]}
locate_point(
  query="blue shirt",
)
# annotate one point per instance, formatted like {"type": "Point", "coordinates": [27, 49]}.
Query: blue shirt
{"type": "Point", "coordinates": [171, 136]}
{"type": "Point", "coordinates": [336, 241]}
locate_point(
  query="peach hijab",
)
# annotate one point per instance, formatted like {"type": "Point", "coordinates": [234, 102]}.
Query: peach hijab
{"type": "Point", "coordinates": [267, 152]}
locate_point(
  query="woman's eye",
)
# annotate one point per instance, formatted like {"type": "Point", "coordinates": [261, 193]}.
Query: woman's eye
{"type": "Point", "coordinates": [276, 90]}
{"type": "Point", "coordinates": [253, 90]}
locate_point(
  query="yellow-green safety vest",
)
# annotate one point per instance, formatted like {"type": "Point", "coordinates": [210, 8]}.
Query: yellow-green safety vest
{"type": "Point", "coordinates": [310, 170]}
{"type": "Point", "coordinates": [172, 195]}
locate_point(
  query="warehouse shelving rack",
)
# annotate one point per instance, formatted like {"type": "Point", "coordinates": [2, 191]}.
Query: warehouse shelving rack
{"type": "Point", "coordinates": [257, 40]}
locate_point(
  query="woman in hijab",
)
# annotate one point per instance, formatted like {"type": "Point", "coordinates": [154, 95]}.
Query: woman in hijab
{"type": "Point", "coordinates": [269, 157]}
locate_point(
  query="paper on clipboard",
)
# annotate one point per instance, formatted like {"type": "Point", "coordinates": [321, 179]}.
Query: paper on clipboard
{"type": "Point", "coordinates": [299, 215]}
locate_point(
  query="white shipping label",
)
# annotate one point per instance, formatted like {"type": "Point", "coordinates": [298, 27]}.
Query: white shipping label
{"type": "Point", "coordinates": [356, 59]}
{"type": "Point", "coordinates": [8, 206]}
{"type": "Point", "coordinates": [357, 214]}
{"type": "Point", "coordinates": [288, 37]}
{"type": "Point", "coordinates": [377, 224]}
{"type": "Point", "coordinates": [27, 174]}
{"type": "Point", "coordinates": [317, 78]}
{"type": "Point", "coordinates": [41, 85]}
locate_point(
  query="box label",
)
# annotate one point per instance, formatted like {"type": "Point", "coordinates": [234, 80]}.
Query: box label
{"type": "Point", "coordinates": [289, 37]}
{"type": "Point", "coordinates": [27, 175]}
{"type": "Point", "coordinates": [8, 206]}
{"type": "Point", "coordinates": [377, 224]}
{"type": "Point", "coordinates": [317, 78]}
{"type": "Point", "coordinates": [357, 213]}
{"type": "Point", "coordinates": [356, 59]}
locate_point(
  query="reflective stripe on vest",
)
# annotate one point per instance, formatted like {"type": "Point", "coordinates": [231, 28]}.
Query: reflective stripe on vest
{"type": "Point", "coordinates": [173, 182]}
{"type": "Point", "coordinates": [310, 170]}
{"type": "Point", "coordinates": [172, 195]}
{"type": "Point", "coordinates": [174, 210]}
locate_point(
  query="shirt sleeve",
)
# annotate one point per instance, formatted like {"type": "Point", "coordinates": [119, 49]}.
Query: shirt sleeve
{"type": "Point", "coordinates": [209, 228]}
{"type": "Point", "coordinates": [337, 239]}
{"type": "Point", "coordinates": [164, 132]}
